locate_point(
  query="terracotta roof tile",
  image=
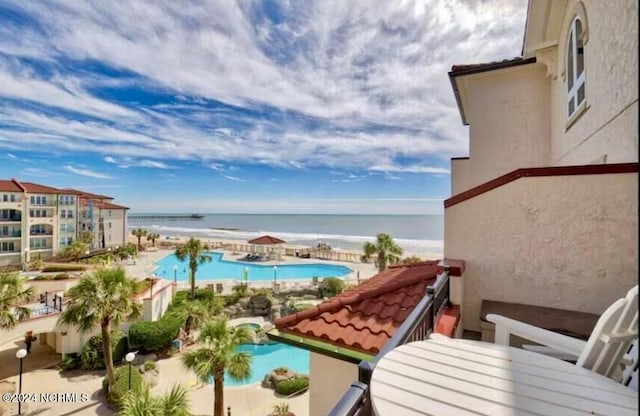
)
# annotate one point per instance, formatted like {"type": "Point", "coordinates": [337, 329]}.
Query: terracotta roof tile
{"type": "Point", "coordinates": [366, 316]}
{"type": "Point", "coordinates": [10, 186]}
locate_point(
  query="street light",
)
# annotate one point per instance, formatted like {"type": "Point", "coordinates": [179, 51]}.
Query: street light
{"type": "Point", "coordinates": [20, 354]}
{"type": "Point", "coordinates": [26, 259]}
{"type": "Point", "coordinates": [275, 272]}
{"type": "Point", "coordinates": [245, 276]}
{"type": "Point", "coordinates": [130, 357]}
{"type": "Point", "coordinates": [175, 274]}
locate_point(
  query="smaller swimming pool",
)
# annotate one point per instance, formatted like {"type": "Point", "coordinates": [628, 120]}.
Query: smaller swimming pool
{"type": "Point", "coordinates": [266, 358]}
{"type": "Point", "coordinates": [251, 325]}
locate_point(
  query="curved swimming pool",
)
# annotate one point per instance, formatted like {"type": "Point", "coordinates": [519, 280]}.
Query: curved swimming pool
{"type": "Point", "coordinates": [219, 269]}
{"type": "Point", "coordinates": [266, 358]}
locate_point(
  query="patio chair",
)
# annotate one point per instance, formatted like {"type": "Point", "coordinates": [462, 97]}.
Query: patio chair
{"type": "Point", "coordinates": [606, 351]}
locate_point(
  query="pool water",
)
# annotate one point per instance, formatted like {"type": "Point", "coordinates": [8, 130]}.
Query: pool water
{"type": "Point", "coordinates": [223, 269]}
{"type": "Point", "coordinates": [266, 358]}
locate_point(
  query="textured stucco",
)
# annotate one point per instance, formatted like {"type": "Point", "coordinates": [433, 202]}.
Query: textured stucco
{"type": "Point", "coordinates": [508, 114]}
{"type": "Point", "coordinates": [329, 379]}
{"type": "Point", "coordinates": [566, 242]}
{"type": "Point", "coordinates": [609, 126]}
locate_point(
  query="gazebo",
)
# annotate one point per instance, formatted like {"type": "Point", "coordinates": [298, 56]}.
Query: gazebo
{"type": "Point", "coordinates": [267, 240]}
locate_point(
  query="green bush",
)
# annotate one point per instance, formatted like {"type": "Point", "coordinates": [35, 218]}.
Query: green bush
{"type": "Point", "coordinates": [71, 362]}
{"type": "Point", "coordinates": [91, 355]}
{"type": "Point", "coordinates": [63, 268]}
{"type": "Point", "coordinates": [149, 365]}
{"type": "Point", "coordinates": [295, 385]}
{"type": "Point", "coordinates": [183, 296]}
{"type": "Point", "coordinates": [121, 386]}
{"type": "Point", "coordinates": [62, 276]}
{"type": "Point", "coordinates": [331, 286]}
{"type": "Point", "coordinates": [154, 336]}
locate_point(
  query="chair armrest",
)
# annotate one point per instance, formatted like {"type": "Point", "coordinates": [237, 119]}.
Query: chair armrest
{"type": "Point", "coordinates": [507, 326]}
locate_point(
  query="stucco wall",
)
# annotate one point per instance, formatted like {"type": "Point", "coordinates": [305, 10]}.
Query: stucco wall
{"type": "Point", "coordinates": [508, 115]}
{"type": "Point", "coordinates": [610, 124]}
{"type": "Point", "coordinates": [462, 179]}
{"type": "Point", "coordinates": [566, 242]}
{"type": "Point", "coordinates": [51, 286]}
{"type": "Point", "coordinates": [162, 297]}
{"type": "Point", "coordinates": [117, 232]}
{"type": "Point", "coordinates": [329, 379]}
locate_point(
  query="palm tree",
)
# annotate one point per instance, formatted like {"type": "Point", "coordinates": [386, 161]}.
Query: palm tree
{"type": "Point", "coordinates": [194, 250]}
{"type": "Point", "coordinates": [139, 402]}
{"type": "Point", "coordinates": [139, 232]}
{"type": "Point", "coordinates": [387, 251]}
{"type": "Point", "coordinates": [216, 354]}
{"type": "Point", "coordinates": [103, 299]}
{"type": "Point", "coordinates": [75, 250]}
{"type": "Point", "coordinates": [153, 237]}
{"type": "Point", "coordinates": [193, 314]}
{"type": "Point", "coordinates": [13, 291]}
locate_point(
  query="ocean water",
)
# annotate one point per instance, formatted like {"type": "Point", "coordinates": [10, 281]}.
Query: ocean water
{"type": "Point", "coordinates": [416, 234]}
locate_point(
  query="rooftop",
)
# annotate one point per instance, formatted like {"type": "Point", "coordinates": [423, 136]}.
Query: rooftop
{"type": "Point", "coordinates": [365, 318]}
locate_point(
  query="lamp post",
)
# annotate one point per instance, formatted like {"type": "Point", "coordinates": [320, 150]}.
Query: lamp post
{"type": "Point", "coordinates": [130, 357]}
{"type": "Point", "coordinates": [20, 354]}
{"type": "Point", "coordinates": [26, 259]}
{"type": "Point", "coordinates": [175, 274]}
{"type": "Point", "coordinates": [245, 276]}
{"type": "Point", "coordinates": [275, 273]}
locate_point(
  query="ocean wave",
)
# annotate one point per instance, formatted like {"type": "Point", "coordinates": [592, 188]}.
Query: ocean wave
{"type": "Point", "coordinates": [429, 248]}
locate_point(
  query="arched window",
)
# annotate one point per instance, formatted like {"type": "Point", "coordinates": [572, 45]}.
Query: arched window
{"type": "Point", "coordinates": [575, 68]}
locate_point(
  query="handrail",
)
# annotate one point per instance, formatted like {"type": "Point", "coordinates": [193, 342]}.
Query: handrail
{"type": "Point", "coordinates": [418, 326]}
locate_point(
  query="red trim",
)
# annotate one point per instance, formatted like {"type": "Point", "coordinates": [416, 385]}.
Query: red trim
{"type": "Point", "coordinates": [546, 171]}
{"type": "Point", "coordinates": [456, 267]}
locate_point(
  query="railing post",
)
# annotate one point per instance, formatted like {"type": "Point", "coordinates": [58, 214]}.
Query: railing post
{"type": "Point", "coordinates": [365, 369]}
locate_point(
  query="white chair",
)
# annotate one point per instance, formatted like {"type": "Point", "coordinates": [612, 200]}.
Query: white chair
{"type": "Point", "coordinates": [604, 352]}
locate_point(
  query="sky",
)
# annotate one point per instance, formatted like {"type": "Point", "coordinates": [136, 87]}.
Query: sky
{"type": "Point", "coordinates": [244, 106]}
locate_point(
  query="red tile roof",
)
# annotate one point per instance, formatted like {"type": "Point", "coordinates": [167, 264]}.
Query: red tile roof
{"type": "Point", "coordinates": [35, 188]}
{"type": "Point", "coordinates": [266, 239]}
{"type": "Point", "coordinates": [108, 205]}
{"type": "Point", "coordinates": [364, 318]}
{"type": "Point", "coordinates": [10, 186]}
{"type": "Point", "coordinates": [83, 194]}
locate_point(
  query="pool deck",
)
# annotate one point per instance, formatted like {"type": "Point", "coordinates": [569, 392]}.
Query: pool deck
{"type": "Point", "coordinates": [145, 267]}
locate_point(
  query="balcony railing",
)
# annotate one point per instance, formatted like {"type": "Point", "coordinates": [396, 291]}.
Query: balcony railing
{"type": "Point", "coordinates": [47, 306]}
{"type": "Point", "coordinates": [418, 326]}
{"type": "Point", "coordinates": [11, 218]}
{"type": "Point", "coordinates": [11, 234]}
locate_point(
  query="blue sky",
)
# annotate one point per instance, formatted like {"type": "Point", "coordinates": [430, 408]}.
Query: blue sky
{"type": "Point", "coordinates": [247, 106]}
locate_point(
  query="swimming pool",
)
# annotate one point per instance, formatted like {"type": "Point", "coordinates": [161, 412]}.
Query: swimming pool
{"type": "Point", "coordinates": [223, 269]}
{"type": "Point", "coordinates": [266, 358]}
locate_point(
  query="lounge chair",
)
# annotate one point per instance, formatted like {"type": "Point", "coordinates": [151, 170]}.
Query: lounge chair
{"type": "Point", "coordinates": [607, 351]}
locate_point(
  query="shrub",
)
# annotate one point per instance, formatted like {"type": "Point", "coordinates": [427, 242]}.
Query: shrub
{"type": "Point", "coordinates": [149, 365]}
{"type": "Point", "coordinates": [92, 357]}
{"type": "Point", "coordinates": [295, 385]}
{"type": "Point", "coordinates": [71, 362]}
{"type": "Point", "coordinates": [332, 286]}
{"type": "Point", "coordinates": [121, 386]}
{"type": "Point", "coordinates": [63, 268]}
{"type": "Point", "coordinates": [62, 276]}
{"type": "Point", "coordinates": [299, 307]}
{"type": "Point", "coordinates": [154, 336]}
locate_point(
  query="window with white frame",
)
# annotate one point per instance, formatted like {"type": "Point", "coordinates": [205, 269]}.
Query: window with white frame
{"type": "Point", "coordinates": [575, 69]}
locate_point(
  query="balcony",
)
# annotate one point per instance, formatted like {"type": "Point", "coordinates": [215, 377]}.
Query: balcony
{"type": "Point", "coordinates": [418, 326]}
{"type": "Point", "coordinates": [11, 234]}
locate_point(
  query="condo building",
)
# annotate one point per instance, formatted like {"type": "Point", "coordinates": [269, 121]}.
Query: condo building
{"type": "Point", "coordinates": [39, 221]}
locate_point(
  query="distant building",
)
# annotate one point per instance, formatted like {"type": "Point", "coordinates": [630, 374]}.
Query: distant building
{"type": "Point", "coordinates": [39, 220]}
{"type": "Point", "coordinates": [544, 210]}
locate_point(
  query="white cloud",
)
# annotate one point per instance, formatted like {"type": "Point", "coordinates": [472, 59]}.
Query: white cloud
{"type": "Point", "coordinates": [11, 156]}
{"type": "Point", "coordinates": [145, 163]}
{"type": "Point", "coordinates": [371, 75]}
{"type": "Point", "coordinates": [234, 178]}
{"type": "Point", "coordinates": [87, 172]}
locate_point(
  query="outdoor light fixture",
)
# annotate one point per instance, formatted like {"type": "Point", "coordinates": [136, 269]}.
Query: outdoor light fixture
{"type": "Point", "coordinates": [20, 354]}
{"type": "Point", "coordinates": [175, 274]}
{"type": "Point", "coordinates": [130, 357]}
